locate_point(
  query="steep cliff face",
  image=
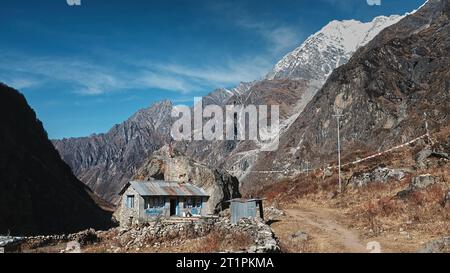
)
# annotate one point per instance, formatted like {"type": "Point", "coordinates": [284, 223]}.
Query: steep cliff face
{"type": "Point", "coordinates": [382, 93]}
{"type": "Point", "coordinates": [170, 165]}
{"type": "Point", "coordinates": [106, 162]}
{"type": "Point", "coordinates": [237, 156]}
{"type": "Point", "coordinates": [39, 194]}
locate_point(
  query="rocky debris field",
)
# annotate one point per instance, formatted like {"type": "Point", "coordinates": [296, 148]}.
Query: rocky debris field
{"type": "Point", "coordinates": [212, 235]}
{"type": "Point", "coordinates": [272, 213]}
{"type": "Point", "coordinates": [82, 238]}
{"type": "Point", "coordinates": [437, 246]}
{"type": "Point", "coordinates": [378, 175]}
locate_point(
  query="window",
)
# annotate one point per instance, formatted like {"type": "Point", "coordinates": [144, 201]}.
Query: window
{"type": "Point", "coordinates": [153, 202]}
{"type": "Point", "coordinates": [162, 202]}
{"type": "Point", "coordinates": [147, 201]}
{"type": "Point", "coordinates": [130, 201]}
{"type": "Point", "coordinates": [188, 203]}
{"type": "Point", "coordinates": [192, 202]}
{"type": "Point", "coordinates": [198, 202]}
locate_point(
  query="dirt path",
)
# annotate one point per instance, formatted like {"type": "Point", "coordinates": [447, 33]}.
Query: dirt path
{"type": "Point", "coordinates": [326, 232]}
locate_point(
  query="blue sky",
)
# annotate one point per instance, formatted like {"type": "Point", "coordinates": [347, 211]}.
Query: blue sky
{"type": "Point", "coordinates": [85, 68]}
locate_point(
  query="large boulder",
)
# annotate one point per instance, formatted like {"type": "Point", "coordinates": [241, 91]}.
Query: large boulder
{"type": "Point", "coordinates": [441, 245]}
{"type": "Point", "coordinates": [418, 183]}
{"type": "Point", "coordinates": [170, 165]}
{"type": "Point", "coordinates": [378, 175]}
{"type": "Point", "coordinates": [422, 181]}
{"type": "Point", "coordinates": [426, 153]}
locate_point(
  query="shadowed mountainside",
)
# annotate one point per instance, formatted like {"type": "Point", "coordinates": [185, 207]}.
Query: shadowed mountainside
{"type": "Point", "coordinates": [106, 162]}
{"type": "Point", "coordinates": [39, 194]}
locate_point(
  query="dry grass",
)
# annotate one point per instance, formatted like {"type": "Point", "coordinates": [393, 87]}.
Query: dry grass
{"type": "Point", "coordinates": [211, 243]}
{"type": "Point", "coordinates": [219, 241]}
{"type": "Point", "coordinates": [374, 211]}
{"type": "Point", "coordinates": [402, 225]}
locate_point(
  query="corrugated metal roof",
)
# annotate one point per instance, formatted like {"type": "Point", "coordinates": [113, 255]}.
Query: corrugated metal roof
{"type": "Point", "coordinates": [242, 200]}
{"type": "Point", "coordinates": [166, 188]}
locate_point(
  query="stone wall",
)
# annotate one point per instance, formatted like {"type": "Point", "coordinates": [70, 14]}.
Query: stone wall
{"type": "Point", "coordinates": [160, 233]}
{"type": "Point", "coordinates": [263, 239]}
{"type": "Point", "coordinates": [129, 216]}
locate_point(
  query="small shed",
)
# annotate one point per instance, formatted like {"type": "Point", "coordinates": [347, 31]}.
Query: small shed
{"type": "Point", "coordinates": [246, 208]}
{"type": "Point", "coordinates": [142, 201]}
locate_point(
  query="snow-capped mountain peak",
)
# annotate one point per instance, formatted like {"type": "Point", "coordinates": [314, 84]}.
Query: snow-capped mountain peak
{"type": "Point", "coordinates": [329, 48]}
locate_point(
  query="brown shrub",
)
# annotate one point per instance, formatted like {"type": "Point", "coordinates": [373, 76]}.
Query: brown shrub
{"type": "Point", "coordinates": [417, 198]}
{"type": "Point", "coordinates": [436, 194]}
{"type": "Point", "coordinates": [219, 241]}
{"type": "Point", "coordinates": [387, 206]}
{"type": "Point", "coordinates": [212, 242]}
{"type": "Point", "coordinates": [239, 241]}
{"type": "Point", "coordinates": [371, 211]}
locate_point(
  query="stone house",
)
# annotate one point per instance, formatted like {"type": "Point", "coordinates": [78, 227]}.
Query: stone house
{"type": "Point", "coordinates": [144, 201]}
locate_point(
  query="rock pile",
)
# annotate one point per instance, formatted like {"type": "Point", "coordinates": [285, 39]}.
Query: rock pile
{"type": "Point", "coordinates": [85, 237]}
{"type": "Point", "coordinates": [418, 183]}
{"type": "Point", "coordinates": [378, 175]}
{"type": "Point", "coordinates": [171, 234]}
{"type": "Point", "coordinates": [426, 153]}
{"type": "Point", "coordinates": [437, 246]}
{"type": "Point", "coordinates": [422, 182]}
{"type": "Point", "coordinates": [272, 213]}
{"type": "Point", "coordinates": [166, 234]}
{"type": "Point", "coordinates": [264, 238]}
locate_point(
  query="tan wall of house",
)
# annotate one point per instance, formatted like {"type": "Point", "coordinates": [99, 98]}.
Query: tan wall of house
{"type": "Point", "coordinates": [129, 216]}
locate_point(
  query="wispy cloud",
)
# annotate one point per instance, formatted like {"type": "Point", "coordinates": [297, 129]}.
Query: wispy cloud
{"type": "Point", "coordinates": [121, 73]}
{"type": "Point", "coordinates": [84, 77]}
{"type": "Point", "coordinates": [149, 79]}
{"type": "Point", "coordinates": [20, 82]}
{"type": "Point", "coordinates": [230, 71]}
{"type": "Point", "coordinates": [88, 78]}
{"type": "Point", "coordinates": [279, 38]}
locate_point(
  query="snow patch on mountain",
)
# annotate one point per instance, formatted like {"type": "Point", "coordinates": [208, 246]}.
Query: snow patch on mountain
{"type": "Point", "coordinates": [329, 48]}
{"type": "Point", "coordinates": [313, 62]}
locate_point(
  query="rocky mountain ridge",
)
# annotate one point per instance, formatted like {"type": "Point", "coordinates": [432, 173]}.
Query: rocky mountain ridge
{"type": "Point", "coordinates": [106, 162]}
{"type": "Point", "coordinates": [382, 93]}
